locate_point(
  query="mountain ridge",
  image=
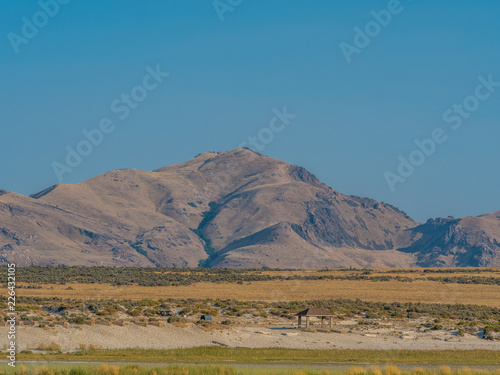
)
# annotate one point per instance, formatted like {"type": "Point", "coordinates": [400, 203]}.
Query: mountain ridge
{"type": "Point", "coordinates": [238, 209]}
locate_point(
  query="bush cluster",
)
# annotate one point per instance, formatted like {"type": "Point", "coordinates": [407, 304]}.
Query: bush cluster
{"type": "Point", "coordinates": [161, 276]}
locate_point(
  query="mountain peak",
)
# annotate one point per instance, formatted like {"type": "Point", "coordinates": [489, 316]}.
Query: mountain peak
{"type": "Point", "coordinates": [237, 208]}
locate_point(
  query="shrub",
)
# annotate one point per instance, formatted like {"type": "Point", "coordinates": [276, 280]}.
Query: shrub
{"type": "Point", "coordinates": [134, 312]}
{"type": "Point", "coordinates": [355, 371]}
{"type": "Point", "coordinates": [77, 371]}
{"type": "Point", "coordinates": [103, 368]}
{"type": "Point", "coordinates": [174, 319]}
{"type": "Point", "coordinates": [374, 370]}
{"type": "Point", "coordinates": [52, 347]}
{"type": "Point", "coordinates": [46, 371]}
{"type": "Point", "coordinates": [391, 370]}
{"type": "Point", "coordinates": [77, 320]}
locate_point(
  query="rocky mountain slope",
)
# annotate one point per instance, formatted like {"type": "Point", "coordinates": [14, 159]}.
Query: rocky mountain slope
{"type": "Point", "coordinates": [471, 241]}
{"type": "Point", "coordinates": [232, 209]}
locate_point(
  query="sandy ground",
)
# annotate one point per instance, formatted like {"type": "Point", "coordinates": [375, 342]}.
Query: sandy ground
{"type": "Point", "coordinates": [170, 336]}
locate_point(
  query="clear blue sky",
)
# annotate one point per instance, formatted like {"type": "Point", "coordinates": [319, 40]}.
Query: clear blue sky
{"type": "Point", "coordinates": [353, 119]}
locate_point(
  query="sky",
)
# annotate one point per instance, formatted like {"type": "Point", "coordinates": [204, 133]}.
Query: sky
{"type": "Point", "coordinates": [393, 100]}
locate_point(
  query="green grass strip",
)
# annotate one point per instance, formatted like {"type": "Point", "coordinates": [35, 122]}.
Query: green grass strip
{"type": "Point", "coordinates": [244, 355]}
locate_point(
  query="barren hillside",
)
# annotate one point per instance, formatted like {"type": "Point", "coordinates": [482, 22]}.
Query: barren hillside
{"type": "Point", "coordinates": [232, 209]}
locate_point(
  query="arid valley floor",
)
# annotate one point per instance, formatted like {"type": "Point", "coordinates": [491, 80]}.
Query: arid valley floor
{"type": "Point", "coordinates": [415, 309]}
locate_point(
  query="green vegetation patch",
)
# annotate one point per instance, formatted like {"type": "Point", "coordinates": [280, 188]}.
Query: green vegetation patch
{"type": "Point", "coordinates": [244, 355]}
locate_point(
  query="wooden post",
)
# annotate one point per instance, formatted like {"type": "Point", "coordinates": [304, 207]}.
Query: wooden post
{"type": "Point", "coordinates": [330, 322]}
{"type": "Point", "coordinates": [300, 321]}
{"type": "Point", "coordinates": [307, 322]}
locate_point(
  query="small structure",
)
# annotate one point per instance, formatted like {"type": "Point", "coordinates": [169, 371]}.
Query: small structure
{"type": "Point", "coordinates": [315, 312]}
{"type": "Point", "coordinates": [206, 318]}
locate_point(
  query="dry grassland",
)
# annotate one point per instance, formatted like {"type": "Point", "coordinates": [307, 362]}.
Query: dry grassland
{"type": "Point", "coordinates": [288, 290]}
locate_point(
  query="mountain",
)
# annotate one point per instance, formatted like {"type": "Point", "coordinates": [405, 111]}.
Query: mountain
{"type": "Point", "coordinates": [471, 241]}
{"type": "Point", "coordinates": [233, 209]}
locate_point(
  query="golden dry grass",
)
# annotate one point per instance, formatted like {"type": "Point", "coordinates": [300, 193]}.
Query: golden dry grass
{"type": "Point", "coordinates": [291, 290]}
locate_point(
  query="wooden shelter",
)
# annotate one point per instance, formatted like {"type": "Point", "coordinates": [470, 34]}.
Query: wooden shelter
{"type": "Point", "coordinates": [315, 312]}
